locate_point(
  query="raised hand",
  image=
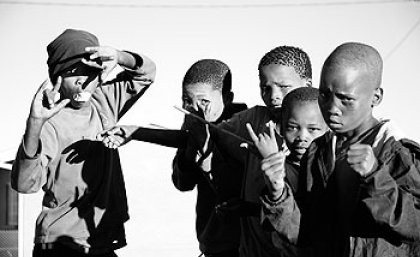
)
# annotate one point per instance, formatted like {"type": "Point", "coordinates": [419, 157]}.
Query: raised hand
{"type": "Point", "coordinates": [45, 103]}
{"type": "Point", "coordinates": [362, 159]}
{"type": "Point", "coordinates": [266, 144]}
{"type": "Point", "coordinates": [102, 57]}
{"type": "Point", "coordinates": [274, 173]}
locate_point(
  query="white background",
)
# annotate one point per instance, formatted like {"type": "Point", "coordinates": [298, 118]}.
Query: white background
{"type": "Point", "coordinates": [175, 34]}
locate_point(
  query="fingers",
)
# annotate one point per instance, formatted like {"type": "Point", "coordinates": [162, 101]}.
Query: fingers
{"type": "Point", "coordinates": [361, 158]}
{"type": "Point", "coordinates": [58, 84]}
{"type": "Point", "coordinates": [272, 160]}
{"type": "Point", "coordinates": [92, 64]}
{"type": "Point", "coordinates": [272, 128]}
{"type": "Point", "coordinates": [252, 133]}
{"type": "Point", "coordinates": [45, 84]}
{"type": "Point", "coordinates": [104, 53]}
{"type": "Point", "coordinates": [53, 96]}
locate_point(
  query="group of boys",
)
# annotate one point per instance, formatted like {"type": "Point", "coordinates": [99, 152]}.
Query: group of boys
{"type": "Point", "coordinates": [311, 173]}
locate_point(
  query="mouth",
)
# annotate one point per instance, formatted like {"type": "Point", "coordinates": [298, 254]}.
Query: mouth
{"type": "Point", "coordinates": [274, 106]}
{"type": "Point", "coordinates": [82, 97]}
{"type": "Point", "coordinates": [299, 149]}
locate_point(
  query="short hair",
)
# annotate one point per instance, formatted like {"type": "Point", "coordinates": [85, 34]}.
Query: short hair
{"type": "Point", "coordinates": [358, 56]}
{"type": "Point", "coordinates": [298, 95]}
{"type": "Point", "coordinates": [288, 56]}
{"type": "Point", "coordinates": [209, 71]}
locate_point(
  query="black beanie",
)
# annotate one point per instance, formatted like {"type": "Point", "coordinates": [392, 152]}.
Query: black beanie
{"type": "Point", "coordinates": [68, 49]}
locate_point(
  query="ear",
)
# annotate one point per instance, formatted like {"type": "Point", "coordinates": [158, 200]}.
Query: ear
{"type": "Point", "coordinates": [228, 98]}
{"type": "Point", "coordinates": [377, 96]}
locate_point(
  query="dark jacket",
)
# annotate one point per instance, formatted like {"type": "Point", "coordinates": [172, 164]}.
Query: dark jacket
{"type": "Point", "coordinates": [343, 214]}
{"type": "Point", "coordinates": [216, 231]}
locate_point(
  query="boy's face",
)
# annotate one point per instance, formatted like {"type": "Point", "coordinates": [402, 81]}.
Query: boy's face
{"type": "Point", "coordinates": [303, 124]}
{"type": "Point", "coordinates": [78, 85]}
{"type": "Point", "coordinates": [205, 97]}
{"type": "Point", "coordinates": [347, 98]}
{"type": "Point", "coordinates": [276, 81]}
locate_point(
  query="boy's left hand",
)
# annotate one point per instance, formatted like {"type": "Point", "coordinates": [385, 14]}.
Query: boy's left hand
{"type": "Point", "coordinates": [362, 159]}
{"type": "Point", "coordinates": [107, 56]}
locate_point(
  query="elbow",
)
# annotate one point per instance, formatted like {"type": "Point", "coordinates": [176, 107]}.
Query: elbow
{"type": "Point", "coordinates": [25, 186]}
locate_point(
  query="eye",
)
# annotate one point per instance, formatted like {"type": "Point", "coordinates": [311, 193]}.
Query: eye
{"type": "Point", "coordinates": [186, 102]}
{"type": "Point", "coordinates": [314, 129]}
{"type": "Point", "coordinates": [291, 128]}
{"type": "Point", "coordinates": [79, 82]}
{"type": "Point", "coordinates": [204, 102]}
{"type": "Point", "coordinates": [266, 88]}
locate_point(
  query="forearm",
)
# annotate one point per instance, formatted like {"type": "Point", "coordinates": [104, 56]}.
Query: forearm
{"type": "Point", "coordinates": [27, 172]}
{"type": "Point", "coordinates": [32, 135]}
{"type": "Point", "coordinates": [282, 214]}
{"type": "Point", "coordinates": [164, 137]}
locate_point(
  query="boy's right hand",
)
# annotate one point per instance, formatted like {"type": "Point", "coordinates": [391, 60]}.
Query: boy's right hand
{"type": "Point", "coordinates": [116, 136]}
{"type": "Point", "coordinates": [274, 174]}
{"type": "Point", "coordinates": [45, 103]}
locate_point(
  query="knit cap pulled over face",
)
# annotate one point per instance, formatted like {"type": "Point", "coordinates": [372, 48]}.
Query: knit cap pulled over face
{"type": "Point", "coordinates": [67, 50]}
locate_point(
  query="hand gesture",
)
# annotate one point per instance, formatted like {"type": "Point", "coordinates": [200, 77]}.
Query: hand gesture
{"type": "Point", "coordinates": [45, 103]}
{"type": "Point", "coordinates": [107, 56]}
{"type": "Point", "coordinates": [116, 136]}
{"type": "Point", "coordinates": [266, 144]}
{"type": "Point", "coordinates": [362, 159]}
{"type": "Point", "coordinates": [274, 173]}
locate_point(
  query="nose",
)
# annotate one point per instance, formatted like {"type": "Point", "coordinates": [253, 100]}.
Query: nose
{"type": "Point", "coordinates": [329, 105]}
{"type": "Point", "coordinates": [302, 135]}
{"type": "Point", "coordinates": [276, 95]}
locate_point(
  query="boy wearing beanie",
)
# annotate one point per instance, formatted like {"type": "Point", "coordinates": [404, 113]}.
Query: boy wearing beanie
{"type": "Point", "coordinates": [84, 206]}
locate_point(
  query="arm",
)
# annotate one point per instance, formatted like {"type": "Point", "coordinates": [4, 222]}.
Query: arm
{"type": "Point", "coordinates": [129, 85]}
{"type": "Point", "coordinates": [393, 194]}
{"type": "Point", "coordinates": [28, 172]}
{"type": "Point", "coordinates": [279, 208]}
{"type": "Point", "coordinates": [186, 165]}
{"type": "Point", "coordinates": [122, 134]}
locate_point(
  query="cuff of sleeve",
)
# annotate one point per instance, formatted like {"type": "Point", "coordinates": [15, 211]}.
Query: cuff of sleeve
{"type": "Point", "coordinates": [139, 61]}
{"type": "Point", "coordinates": [25, 154]}
{"type": "Point", "coordinates": [270, 203]}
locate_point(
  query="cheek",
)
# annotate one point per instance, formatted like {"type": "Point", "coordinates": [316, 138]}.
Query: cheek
{"type": "Point", "coordinates": [289, 137]}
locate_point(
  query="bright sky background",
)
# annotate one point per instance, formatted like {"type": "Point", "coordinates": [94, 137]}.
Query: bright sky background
{"type": "Point", "coordinates": [175, 34]}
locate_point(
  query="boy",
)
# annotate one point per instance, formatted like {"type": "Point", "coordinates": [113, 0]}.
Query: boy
{"type": "Point", "coordinates": [84, 205]}
{"type": "Point", "coordinates": [281, 70]}
{"type": "Point", "coordinates": [301, 123]}
{"type": "Point", "coordinates": [361, 183]}
{"type": "Point", "coordinates": [206, 86]}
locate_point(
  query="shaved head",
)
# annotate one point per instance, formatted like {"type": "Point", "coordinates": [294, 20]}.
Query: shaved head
{"type": "Point", "coordinates": [357, 56]}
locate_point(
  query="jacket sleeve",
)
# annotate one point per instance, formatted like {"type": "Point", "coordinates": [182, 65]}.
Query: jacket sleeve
{"type": "Point", "coordinates": [29, 174]}
{"type": "Point", "coordinates": [129, 85]}
{"type": "Point", "coordinates": [184, 174]}
{"type": "Point", "coordinates": [284, 216]}
{"type": "Point", "coordinates": [393, 191]}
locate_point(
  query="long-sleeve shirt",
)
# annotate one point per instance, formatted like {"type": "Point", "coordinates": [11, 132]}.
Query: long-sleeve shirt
{"type": "Point", "coordinates": [216, 231]}
{"type": "Point", "coordinates": [84, 203]}
{"type": "Point", "coordinates": [339, 213]}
